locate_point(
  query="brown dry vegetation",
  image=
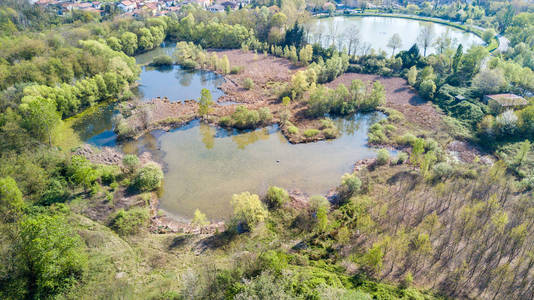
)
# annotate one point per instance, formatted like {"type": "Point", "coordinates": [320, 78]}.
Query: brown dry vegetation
{"type": "Point", "coordinates": [399, 96]}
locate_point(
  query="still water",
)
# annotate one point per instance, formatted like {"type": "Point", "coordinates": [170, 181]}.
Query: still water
{"type": "Point", "coordinates": [205, 165]}
{"type": "Point", "coordinates": [375, 32]}
{"type": "Point", "coordinates": [174, 82]}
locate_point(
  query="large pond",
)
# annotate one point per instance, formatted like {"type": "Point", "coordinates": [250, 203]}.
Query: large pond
{"type": "Point", "coordinates": [206, 165]}
{"type": "Point", "coordinates": [375, 32]}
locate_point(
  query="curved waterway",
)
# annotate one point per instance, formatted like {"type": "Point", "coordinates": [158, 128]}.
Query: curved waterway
{"type": "Point", "coordinates": [375, 32]}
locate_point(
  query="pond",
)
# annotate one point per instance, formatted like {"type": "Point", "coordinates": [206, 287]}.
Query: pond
{"type": "Point", "coordinates": [174, 82]}
{"type": "Point", "coordinates": [205, 165]}
{"type": "Point", "coordinates": [375, 32]}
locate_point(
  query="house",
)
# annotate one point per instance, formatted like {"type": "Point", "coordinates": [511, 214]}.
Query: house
{"type": "Point", "coordinates": [216, 8]}
{"type": "Point", "coordinates": [229, 5]}
{"type": "Point", "coordinates": [505, 101]}
{"type": "Point", "coordinates": [127, 6]}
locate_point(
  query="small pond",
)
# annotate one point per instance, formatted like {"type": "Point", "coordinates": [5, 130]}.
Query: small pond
{"type": "Point", "coordinates": [376, 32]}
{"type": "Point", "coordinates": [205, 165]}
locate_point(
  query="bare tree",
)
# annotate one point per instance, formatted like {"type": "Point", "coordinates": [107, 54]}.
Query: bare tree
{"type": "Point", "coordinates": [425, 37]}
{"type": "Point", "coordinates": [394, 43]}
{"type": "Point", "coordinates": [352, 34]}
{"type": "Point", "coordinates": [443, 42]}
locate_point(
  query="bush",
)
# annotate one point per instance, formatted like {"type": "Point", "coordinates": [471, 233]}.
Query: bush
{"type": "Point", "coordinates": [309, 133]}
{"type": "Point", "coordinates": [236, 70]}
{"type": "Point", "coordinates": [406, 139]}
{"type": "Point", "coordinates": [382, 157]}
{"type": "Point", "coordinates": [130, 162]}
{"type": "Point", "coordinates": [402, 157]}
{"type": "Point", "coordinates": [129, 222]}
{"type": "Point", "coordinates": [292, 130]}
{"type": "Point", "coordinates": [148, 178]}
{"type": "Point", "coordinates": [248, 210]}
{"type": "Point", "coordinates": [162, 60]}
{"type": "Point", "coordinates": [350, 184]}
{"type": "Point", "coordinates": [330, 133]}
{"type": "Point", "coordinates": [248, 84]}
{"type": "Point", "coordinates": [427, 89]}
{"type": "Point", "coordinates": [265, 115]}
{"type": "Point", "coordinates": [276, 197]}
{"type": "Point", "coordinates": [442, 170]}
{"type": "Point", "coordinates": [200, 219]}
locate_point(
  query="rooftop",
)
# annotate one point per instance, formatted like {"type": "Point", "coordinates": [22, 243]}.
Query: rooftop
{"type": "Point", "coordinates": [508, 99]}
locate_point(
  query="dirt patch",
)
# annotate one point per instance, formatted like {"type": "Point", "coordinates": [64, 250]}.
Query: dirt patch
{"type": "Point", "coordinates": [262, 70]}
{"type": "Point", "coordinates": [399, 96]}
{"type": "Point", "coordinates": [467, 153]}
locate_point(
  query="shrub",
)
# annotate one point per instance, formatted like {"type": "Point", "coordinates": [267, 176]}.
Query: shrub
{"type": "Point", "coordinates": [442, 170]}
{"type": "Point", "coordinates": [265, 115]}
{"type": "Point", "coordinates": [130, 221]}
{"type": "Point", "coordinates": [427, 89]}
{"type": "Point", "coordinates": [148, 178]}
{"type": "Point", "coordinates": [382, 157]}
{"type": "Point", "coordinates": [292, 130]}
{"type": "Point", "coordinates": [330, 133]}
{"type": "Point", "coordinates": [309, 133]}
{"type": "Point", "coordinates": [276, 197]}
{"type": "Point", "coordinates": [406, 139]}
{"type": "Point", "coordinates": [350, 184]}
{"type": "Point", "coordinates": [130, 162]}
{"type": "Point", "coordinates": [248, 210]}
{"type": "Point", "coordinates": [402, 157]}
{"type": "Point", "coordinates": [273, 260]}
{"type": "Point", "coordinates": [248, 84]}
{"type": "Point", "coordinates": [200, 219]}
{"type": "Point", "coordinates": [236, 70]}
{"type": "Point", "coordinates": [162, 60]}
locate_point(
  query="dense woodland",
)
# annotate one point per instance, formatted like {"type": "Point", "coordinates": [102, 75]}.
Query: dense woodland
{"type": "Point", "coordinates": [414, 226]}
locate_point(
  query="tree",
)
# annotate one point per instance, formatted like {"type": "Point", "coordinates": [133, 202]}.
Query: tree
{"type": "Point", "coordinates": [443, 42]}
{"type": "Point", "coordinates": [128, 222]}
{"type": "Point", "coordinates": [394, 43]}
{"type": "Point", "coordinates": [425, 37]}
{"type": "Point", "coordinates": [40, 116]}
{"type": "Point", "coordinates": [411, 57]}
{"type": "Point", "coordinates": [276, 197]}
{"type": "Point", "coordinates": [129, 43]}
{"type": "Point", "coordinates": [248, 210]}
{"type": "Point", "coordinates": [148, 178]}
{"type": "Point", "coordinates": [225, 65]}
{"type": "Point", "coordinates": [412, 76]}
{"type": "Point", "coordinates": [488, 35]}
{"type": "Point", "coordinates": [199, 218]}
{"type": "Point", "coordinates": [456, 61]}
{"type": "Point", "coordinates": [488, 81]}
{"type": "Point", "coordinates": [204, 102]}
{"type": "Point", "coordinates": [49, 256]}
{"type": "Point", "coordinates": [11, 203]}
{"type": "Point", "coordinates": [427, 88]}
{"type": "Point", "coordinates": [418, 148]}
{"type": "Point", "coordinates": [306, 54]}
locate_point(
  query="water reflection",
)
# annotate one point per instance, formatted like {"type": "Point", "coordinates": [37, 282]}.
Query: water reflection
{"type": "Point", "coordinates": [367, 32]}
{"type": "Point", "coordinates": [205, 165]}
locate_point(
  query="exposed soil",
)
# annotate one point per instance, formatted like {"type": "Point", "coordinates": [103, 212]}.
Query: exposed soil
{"type": "Point", "coordinates": [399, 96]}
{"type": "Point", "coordinates": [263, 70]}
{"type": "Point", "coordinates": [467, 153]}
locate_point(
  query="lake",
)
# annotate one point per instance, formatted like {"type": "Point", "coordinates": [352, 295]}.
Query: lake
{"type": "Point", "coordinates": [375, 32]}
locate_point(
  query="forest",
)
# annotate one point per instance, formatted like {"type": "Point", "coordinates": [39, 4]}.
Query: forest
{"type": "Point", "coordinates": [443, 210]}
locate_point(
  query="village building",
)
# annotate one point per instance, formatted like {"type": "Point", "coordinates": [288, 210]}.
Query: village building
{"type": "Point", "coordinates": [502, 102]}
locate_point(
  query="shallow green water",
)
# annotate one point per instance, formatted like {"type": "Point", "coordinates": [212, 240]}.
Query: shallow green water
{"type": "Point", "coordinates": [375, 32]}
{"type": "Point", "coordinates": [205, 166]}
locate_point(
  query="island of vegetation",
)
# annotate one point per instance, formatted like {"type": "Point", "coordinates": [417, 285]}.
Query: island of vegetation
{"type": "Point", "coordinates": [445, 208]}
